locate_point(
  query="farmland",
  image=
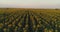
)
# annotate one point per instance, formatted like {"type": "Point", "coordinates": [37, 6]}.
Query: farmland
{"type": "Point", "coordinates": [29, 20]}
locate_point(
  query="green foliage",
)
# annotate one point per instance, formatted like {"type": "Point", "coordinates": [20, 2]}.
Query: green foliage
{"type": "Point", "coordinates": [29, 20]}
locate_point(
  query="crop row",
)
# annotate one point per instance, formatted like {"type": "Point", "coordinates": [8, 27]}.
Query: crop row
{"type": "Point", "coordinates": [29, 21]}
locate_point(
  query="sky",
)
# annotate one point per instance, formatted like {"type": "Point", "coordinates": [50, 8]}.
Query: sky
{"type": "Point", "coordinates": [29, 3]}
